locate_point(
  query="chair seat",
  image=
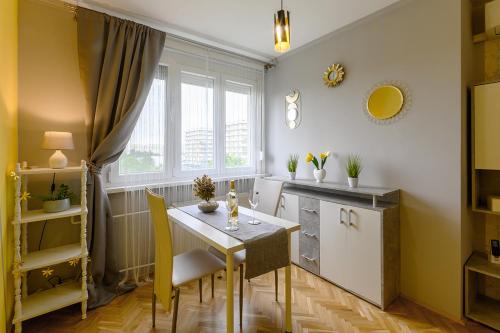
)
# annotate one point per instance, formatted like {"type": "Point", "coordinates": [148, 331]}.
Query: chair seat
{"type": "Point", "coordinates": [239, 257]}
{"type": "Point", "coordinates": [193, 265]}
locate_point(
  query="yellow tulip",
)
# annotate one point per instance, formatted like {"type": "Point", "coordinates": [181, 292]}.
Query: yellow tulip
{"type": "Point", "coordinates": [309, 157]}
{"type": "Point", "coordinates": [324, 155]}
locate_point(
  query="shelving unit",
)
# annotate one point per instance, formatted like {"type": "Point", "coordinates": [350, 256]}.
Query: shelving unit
{"type": "Point", "coordinates": [478, 306]}
{"type": "Point", "coordinates": [29, 306]}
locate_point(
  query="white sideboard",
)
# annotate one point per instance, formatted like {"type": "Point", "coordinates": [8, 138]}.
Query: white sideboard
{"type": "Point", "coordinates": [345, 239]}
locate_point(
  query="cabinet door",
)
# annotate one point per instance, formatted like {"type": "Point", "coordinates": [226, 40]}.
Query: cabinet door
{"type": "Point", "coordinates": [486, 133]}
{"type": "Point", "coordinates": [333, 243]}
{"type": "Point", "coordinates": [289, 210]}
{"type": "Point", "coordinates": [364, 253]}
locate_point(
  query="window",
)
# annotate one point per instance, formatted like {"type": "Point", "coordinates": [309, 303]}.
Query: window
{"type": "Point", "coordinates": [197, 125]}
{"type": "Point", "coordinates": [195, 121]}
{"type": "Point", "coordinates": [238, 138]}
{"type": "Point", "coordinates": [145, 151]}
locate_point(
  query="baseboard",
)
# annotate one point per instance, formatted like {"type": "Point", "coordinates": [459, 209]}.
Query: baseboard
{"type": "Point", "coordinates": [461, 320]}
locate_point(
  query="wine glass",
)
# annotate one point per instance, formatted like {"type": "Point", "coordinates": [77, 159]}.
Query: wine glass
{"type": "Point", "coordinates": [253, 200]}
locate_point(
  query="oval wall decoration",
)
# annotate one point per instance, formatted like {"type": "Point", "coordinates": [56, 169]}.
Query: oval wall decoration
{"type": "Point", "coordinates": [387, 102]}
{"type": "Point", "coordinates": [293, 115]}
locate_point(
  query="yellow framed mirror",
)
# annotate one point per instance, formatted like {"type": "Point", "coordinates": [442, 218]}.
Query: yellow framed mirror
{"type": "Point", "coordinates": [385, 102]}
{"type": "Point", "coordinates": [333, 75]}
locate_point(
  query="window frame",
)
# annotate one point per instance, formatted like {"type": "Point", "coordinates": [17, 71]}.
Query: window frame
{"type": "Point", "coordinates": [176, 64]}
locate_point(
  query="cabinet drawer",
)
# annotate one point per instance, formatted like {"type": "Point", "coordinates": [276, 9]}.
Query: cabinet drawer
{"type": "Point", "coordinates": [309, 252]}
{"type": "Point", "coordinates": [309, 211]}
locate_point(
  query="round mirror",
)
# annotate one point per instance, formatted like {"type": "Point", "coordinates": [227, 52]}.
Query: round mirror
{"type": "Point", "coordinates": [333, 75]}
{"type": "Point", "coordinates": [385, 102]}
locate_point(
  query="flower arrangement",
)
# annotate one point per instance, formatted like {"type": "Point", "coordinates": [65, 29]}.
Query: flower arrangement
{"type": "Point", "coordinates": [204, 188]}
{"type": "Point", "coordinates": [323, 157]}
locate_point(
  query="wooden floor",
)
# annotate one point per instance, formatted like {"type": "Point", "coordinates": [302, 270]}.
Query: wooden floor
{"type": "Point", "coordinates": [318, 306]}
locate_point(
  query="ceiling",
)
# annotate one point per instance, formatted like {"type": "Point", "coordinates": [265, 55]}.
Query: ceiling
{"type": "Point", "coordinates": [246, 25]}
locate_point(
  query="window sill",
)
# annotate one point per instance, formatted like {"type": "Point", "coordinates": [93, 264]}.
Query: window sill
{"type": "Point", "coordinates": [110, 188]}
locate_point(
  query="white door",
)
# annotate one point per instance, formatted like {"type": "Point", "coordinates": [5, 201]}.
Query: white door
{"type": "Point", "coordinates": [333, 242]}
{"type": "Point", "coordinates": [364, 253]}
{"type": "Point", "coordinates": [289, 210]}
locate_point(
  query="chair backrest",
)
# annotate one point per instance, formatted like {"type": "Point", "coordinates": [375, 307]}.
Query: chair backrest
{"type": "Point", "coordinates": [269, 195]}
{"type": "Point", "coordinates": [163, 249]}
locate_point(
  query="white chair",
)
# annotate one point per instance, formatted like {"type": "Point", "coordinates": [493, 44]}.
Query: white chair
{"type": "Point", "coordinates": [171, 271]}
{"type": "Point", "coordinates": [269, 199]}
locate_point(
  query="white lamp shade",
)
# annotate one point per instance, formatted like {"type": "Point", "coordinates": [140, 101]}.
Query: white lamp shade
{"type": "Point", "coordinates": [57, 140]}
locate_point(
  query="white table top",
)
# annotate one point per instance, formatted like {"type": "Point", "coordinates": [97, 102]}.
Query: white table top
{"type": "Point", "coordinates": [218, 239]}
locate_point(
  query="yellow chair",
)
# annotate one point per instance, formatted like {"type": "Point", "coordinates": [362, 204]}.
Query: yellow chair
{"type": "Point", "coordinates": [171, 271]}
{"type": "Point", "coordinates": [270, 196]}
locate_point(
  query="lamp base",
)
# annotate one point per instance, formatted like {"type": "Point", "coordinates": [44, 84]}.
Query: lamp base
{"type": "Point", "coordinates": [58, 160]}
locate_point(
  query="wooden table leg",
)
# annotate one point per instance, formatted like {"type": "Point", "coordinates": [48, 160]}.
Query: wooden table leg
{"type": "Point", "coordinates": [288, 291]}
{"type": "Point", "coordinates": [229, 293]}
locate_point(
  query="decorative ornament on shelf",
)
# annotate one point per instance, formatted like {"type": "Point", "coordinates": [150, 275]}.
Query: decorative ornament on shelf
{"type": "Point", "coordinates": [333, 75]}
{"type": "Point", "coordinates": [57, 201]}
{"type": "Point", "coordinates": [293, 114]}
{"type": "Point", "coordinates": [204, 188]}
{"type": "Point", "coordinates": [387, 102]}
{"type": "Point", "coordinates": [47, 272]}
{"type": "Point", "coordinates": [25, 196]}
{"type": "Point", "coordinates": [282, 30]}
{"type": "Point", "coordinates": [74, 262]}
{"type": "Point", "coordinates": [13, 175]}
{"type": "Point", "coordinates": [319, 172]}
{"type": "Point", "coordinates": [353, 168]}
{"type": "Point", "coordinates": [58, 141]}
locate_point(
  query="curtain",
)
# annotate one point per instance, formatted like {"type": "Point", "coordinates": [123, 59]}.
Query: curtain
{"type": "Point", "coordinates": [118, 60]}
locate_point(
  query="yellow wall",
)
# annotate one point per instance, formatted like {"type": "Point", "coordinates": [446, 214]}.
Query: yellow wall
{"type": "Point", "coordinates": [8, 143]}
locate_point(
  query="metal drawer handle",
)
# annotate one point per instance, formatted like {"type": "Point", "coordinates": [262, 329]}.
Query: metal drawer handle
{"type": "Point", "coordinates": [282, 201]}
{"type": "Point", "coordinates": [309, 235]}
{"type": "Point", "coordinates": [309, 210]}
{"type": "Point", "coordinates": [340, 215]}
{"type": "Point", "coordinates": [349, 214]}
{"type": "Point", "coordinates": [308, 259]}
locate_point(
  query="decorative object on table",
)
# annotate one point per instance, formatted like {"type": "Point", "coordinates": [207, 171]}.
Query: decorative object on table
{"type": "Point", "coordinates": [282, 30]}
{"type": "Point", "coordinates": [293, 161]}
{"type": "Point", "coordinates": [58, 201]}
{"type": "Point", "coordinates": [319, 172]}
{"type": "Point", "coordinates": [333, 75]}
{"type": "Point", "coordinates": [204, 188]}
{"type": "Point", "coordinates": [232, 208]}
{"type": "Point", "coordinates": [293, 114]}
{"type": "Point", "coordinates": [495, 252]}
{"type": "Point", "coordinates": [58, 141]}
{"type": "Point", "coordinates": [387, 102]}
{"type": "Point", "coordinates": [47, 272]}
{"type": "Point", "coordinates": [353, 168]}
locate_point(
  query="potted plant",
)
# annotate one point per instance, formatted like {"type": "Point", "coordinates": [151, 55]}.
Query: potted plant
{"type": "Point", "coordinates": [59, 200]}
{"type": "Point", "coordinates": [319, 171]}
{"type": "Point", "coordinates": [353, 168]}
{"type": "Point", "coordinates": [204, 188]}
{"type": "Point", "coordinates": [293, 161]}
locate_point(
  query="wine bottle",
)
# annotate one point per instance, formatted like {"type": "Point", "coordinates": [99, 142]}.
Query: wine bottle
{"type": "Point", "coordinates": [232, 201]}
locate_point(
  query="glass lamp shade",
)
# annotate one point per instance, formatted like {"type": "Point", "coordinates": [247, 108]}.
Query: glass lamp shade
{"type": "Point", "coordinates": [282, 31]}
{"type": "Point", "coordinates": [57, 140]}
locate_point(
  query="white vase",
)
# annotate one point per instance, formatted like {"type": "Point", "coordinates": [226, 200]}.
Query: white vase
{"type": "Point", "coordinates": [292, 175]}
{"type": "Point", "coordinates": [353, 182]}
{"type": "Point", "coordinates": [54, 206]}
{"type": "Point", "coordinates": [319, 175]}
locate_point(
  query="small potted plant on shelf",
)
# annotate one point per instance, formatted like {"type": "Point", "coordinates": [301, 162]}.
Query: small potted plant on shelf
{"type": "Point", "coordinates": [58, 200]}
{"type": "Point", "coordinates": [319, 171]}
{"type": "Point", "coordinates": [353, 169]}
{"type": "Point", "coordinates": [204, 188]}
{"type": "Point", "coordinates": [293, 161]}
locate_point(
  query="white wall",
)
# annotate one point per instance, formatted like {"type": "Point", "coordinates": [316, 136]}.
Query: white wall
{"type": "Point", "coordinates": [418, 42]}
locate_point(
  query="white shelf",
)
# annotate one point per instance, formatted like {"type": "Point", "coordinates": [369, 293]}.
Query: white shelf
{"type": "Point", "coordinates": [480, 264]}
{"type": "Point", "coordinates": [40, 215]}
{"type": "Point", "coordinates": [486, 311]}
{"type": "Point", "coordinates": [44, 171]}
{"type": "Point", "coordinates": [51, 299]}
{"type": "Point", "coordinates": [52, 256]}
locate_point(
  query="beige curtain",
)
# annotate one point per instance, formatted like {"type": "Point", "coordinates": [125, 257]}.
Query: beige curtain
{"type": "Point", "coordinates": [118, 60]}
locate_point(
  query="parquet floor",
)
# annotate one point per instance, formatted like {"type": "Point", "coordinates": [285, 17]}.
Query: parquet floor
{"type": "Point", "coordinates": [318, 306]}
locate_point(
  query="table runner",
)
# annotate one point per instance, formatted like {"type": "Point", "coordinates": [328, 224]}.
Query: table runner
{"type": "Point", "coordinates": [266, 244]}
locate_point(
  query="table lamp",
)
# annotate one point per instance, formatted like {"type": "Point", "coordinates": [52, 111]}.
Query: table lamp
{"type": "Point", "coordinates": [58, 141]}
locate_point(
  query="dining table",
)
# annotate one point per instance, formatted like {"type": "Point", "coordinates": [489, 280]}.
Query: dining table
{"type": "Point", "coordinates": [225, 243]}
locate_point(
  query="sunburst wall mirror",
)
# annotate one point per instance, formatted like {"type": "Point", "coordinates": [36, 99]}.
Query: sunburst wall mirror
{"type": "Point", "coordinates": [333, 75]}
{"type": "Point", "coordinates": [293, 115]}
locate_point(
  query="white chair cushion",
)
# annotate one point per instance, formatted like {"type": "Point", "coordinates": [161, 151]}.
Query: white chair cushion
{"type": "Point", "coordinates": [239, 257]}
{"type": "Point", "coordinates": [193, 265]}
